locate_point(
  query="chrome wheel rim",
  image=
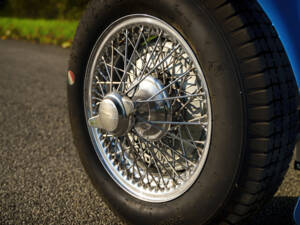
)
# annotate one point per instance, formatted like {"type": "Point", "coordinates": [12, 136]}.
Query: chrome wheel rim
{"type": "Point", "coordinates": [147, 108]}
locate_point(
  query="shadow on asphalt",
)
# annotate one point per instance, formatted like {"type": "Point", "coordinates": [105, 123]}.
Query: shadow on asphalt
{"type": "Point", "coordinates": [272, 213]}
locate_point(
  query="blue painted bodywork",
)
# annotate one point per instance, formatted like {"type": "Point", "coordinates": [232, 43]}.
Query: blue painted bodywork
{"type": "Point", "coordinates": [285, 16]}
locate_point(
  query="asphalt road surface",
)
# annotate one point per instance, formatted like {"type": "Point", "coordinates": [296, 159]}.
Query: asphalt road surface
{"type": "Point", "coordinates": [41, 178]}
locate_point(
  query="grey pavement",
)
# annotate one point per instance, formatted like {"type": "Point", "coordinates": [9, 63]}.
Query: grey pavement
{"type": "Point", "coordinates": [41, 178]}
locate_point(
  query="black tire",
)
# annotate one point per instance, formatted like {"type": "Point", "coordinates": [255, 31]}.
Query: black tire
{"type": "Point", "coordinates": [253, 97]}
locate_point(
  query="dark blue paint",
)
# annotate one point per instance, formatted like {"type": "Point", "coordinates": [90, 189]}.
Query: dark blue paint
{"type": "Point", "coordinates": [285, 16]}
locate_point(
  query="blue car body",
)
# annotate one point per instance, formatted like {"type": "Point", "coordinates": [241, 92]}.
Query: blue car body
{"type": "Point", "coordinates": [285, 16]}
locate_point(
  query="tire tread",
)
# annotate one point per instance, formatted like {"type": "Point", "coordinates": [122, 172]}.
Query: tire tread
{"type": "Point", "coordinates": [271, 93]}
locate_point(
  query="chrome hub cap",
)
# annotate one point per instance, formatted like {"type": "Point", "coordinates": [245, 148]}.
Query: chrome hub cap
{"type": "Point", "coordinates": [115, 114]}
{"type": "Point", "coordinates": [155, 110]}
{"type": "Point", "coordinates": [147, 108]}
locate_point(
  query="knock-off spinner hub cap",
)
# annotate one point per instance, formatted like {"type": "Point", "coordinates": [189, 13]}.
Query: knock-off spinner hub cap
{"type": "Point", "coordinates": [116, 113]}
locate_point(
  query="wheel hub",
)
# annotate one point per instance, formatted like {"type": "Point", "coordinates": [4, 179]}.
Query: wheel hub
{"type": "Point", "coordinates": [155, 110]}
{"type": "Point", "coordinates": [116, 112]}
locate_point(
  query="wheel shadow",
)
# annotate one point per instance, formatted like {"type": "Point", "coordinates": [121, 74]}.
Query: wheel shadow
{"type": "Point", "coordinates": [279, 211]}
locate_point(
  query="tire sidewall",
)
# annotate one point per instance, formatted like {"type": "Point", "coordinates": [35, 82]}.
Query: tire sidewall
{"type": "Point", "coordinates": [209, 194]}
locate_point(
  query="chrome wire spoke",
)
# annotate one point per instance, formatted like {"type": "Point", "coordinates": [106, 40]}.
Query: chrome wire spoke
{"type": "Point", "coordinates": [131, 63]}
{"type": "Point", "coordinates": [159, 169]}
{"type": "Point", "coordinates": [106, 68]}
{"type": "Point", "coordinates": [147, 108]}
{"type": "Point", "coordinates": [178, 78]}
{"type": "Point", "coordinates": [136, 156]}
{"type": "Point", "coordinates": [182, 145]}
{"type": "Point", "coordinates": [169, 98]}
{"type": "Point", "coordinates": [172, 122]}
{"type": "Point", "coordinates": [167, 155]}
{"type": "Point", "coordinates": [167, 161]}
{"type": "Point", "coordinates": [102, 75]}
{"type": "Point", "coordinates": [152, 53]}
{"type": "Point", "coordinates": [167, 132]}
{"type": "Point", "coordinates": [121, 70]}
{"type": "Point", "coordinates": [131, 57]}
{"type": "Point", "coordinates": [177, 153]}
{"type": "Point", "coordinates": [154, 68]}
{"type": "Point", "coordinates": [100, 86]}
{"type": "Point", "coordinates": [147, 166]}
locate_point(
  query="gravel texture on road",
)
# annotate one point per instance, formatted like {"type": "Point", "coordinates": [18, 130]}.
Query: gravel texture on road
{"type": "Point", "coordinates": [41, 178]}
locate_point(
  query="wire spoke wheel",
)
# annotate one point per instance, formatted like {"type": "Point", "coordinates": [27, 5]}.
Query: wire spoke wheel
{"type": "Point", "coordinates": [179, 103]}
{"type": "Point", "coordinates": [147, 108]}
